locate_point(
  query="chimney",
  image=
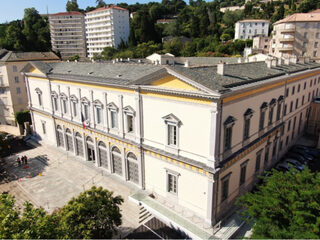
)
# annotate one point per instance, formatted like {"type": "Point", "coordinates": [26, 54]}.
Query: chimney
{"type": "Point", "coordinates": [120, 59]}
{"type": "Point", "coordinates": [128, 59]}
{"type": "Point", "coordinates": [239, 60]}
{"type": "Point", "coordinates": [293, 59]}
{"type": "Point", "coordinates": [220, 68]}
{"type": "Point", "coordinates": [113, 61]}
{"type": "Point", "coordinates": [254, 59]}
{"type": "Point", "coordinates": [274, 62]}
{"type": "Point", "coordinates": [92, 60]}
{"type": "Point", "coordinates": [269, 62]}
{"type": "Point", "coordinates": [301, 59]}
{"type": "Point", "coordinates": [286, 61]}
{"type": "Point", "coordinates": [307, 59]}
{"type": "Point", "coordinates": [186, 64]}
{"type": "Point", "coordinates": [280, 61]}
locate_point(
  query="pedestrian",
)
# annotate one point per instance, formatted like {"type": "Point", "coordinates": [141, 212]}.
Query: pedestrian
{"type": "Point", "coordinates": [19, 161]}
{"type": "Point", "coordinates": [25, 159]}
{"type": "Point", "coordinates": [22, 159]}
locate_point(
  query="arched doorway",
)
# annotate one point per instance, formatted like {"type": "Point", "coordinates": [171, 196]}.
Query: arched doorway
{"type": "Point", "coordinates": [69, 140]}
{"type": "Point", "coordinates": [133, 168]}
{"type": "Point", "coordinates": [103, 154]}
{"type": "Point", "coordinates": [90, 149]}
{"type": "Point", "coordinates": [79, 145]}
{"type": "Point", "coordinates": [60, 141]}
{"type": "Point", "coordinates": [116, 160]}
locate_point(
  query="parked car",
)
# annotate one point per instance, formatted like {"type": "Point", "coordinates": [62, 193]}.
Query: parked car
{"type": "Point", "coordinates": [303, 153]}
{"type": "Point", "coordinates": [295, 163]}
{"type": "Point", "coordinates": [9, 137]}
{"type": "Point", "coordinates": [282, 167]}
{"type": "Point", "coordinates": [311, 151]}
{"type": "Point", "coordinates": [296, 156]}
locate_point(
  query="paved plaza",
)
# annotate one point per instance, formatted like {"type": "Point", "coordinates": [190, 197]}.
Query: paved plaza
{"type": "Point", "coordinates": [52, 177]}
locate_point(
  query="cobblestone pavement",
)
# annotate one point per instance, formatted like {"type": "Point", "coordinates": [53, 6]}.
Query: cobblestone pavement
{"type": "Point", "coordinates": [52, 177]}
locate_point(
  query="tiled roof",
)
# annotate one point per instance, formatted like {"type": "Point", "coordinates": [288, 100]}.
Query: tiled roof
{"type": "Point", "coordinates": [254, 20]}
{"type": "Point", "coordinates": [12, 56]}
{"type": "Point", "coordinates": [66, 13]}
{"type": "Point", "coordinates": [301, 17]}
{"type": "Point", "coordinates": [106, 7]}
{"type": "Point", "coordinates": [316, 11]}
{"type": "Point", "coordinates": [193, 61]}
{"type": "Point", "coordinates": [135, 74]}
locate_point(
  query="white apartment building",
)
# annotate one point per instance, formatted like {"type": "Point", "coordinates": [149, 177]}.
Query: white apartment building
{"type": "Point", "coordinates": [189, 140]}
{"type": "Point", "coordinates": [67, 32]}
{"type": "Point", "coordinates": [249, 28]}
{"type": "Point", "coordinates": [106, 27]}
{"type": "Point", "coordinates": [297, 35]}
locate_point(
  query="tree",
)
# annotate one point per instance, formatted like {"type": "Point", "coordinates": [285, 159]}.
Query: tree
{"type": "Point", "coordinates": [286, 205]}
{"type": "Point", "coordinates": [100, 3]}
{"type": "Point", "coordinates": [74, 58]}
{"type": "Point", "coordinates": [23, 116]}
{"type": "Point", "coordinates": [108, 53]}
{"type": "Point", "coordinates": [93, 214]}
{"type": "Point", "coordinates": [72, 5]}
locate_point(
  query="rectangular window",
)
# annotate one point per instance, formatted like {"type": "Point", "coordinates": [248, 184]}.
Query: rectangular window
{"type": "Point", "coordinates": [305, 85]}
{"type": "Point", "coordinates": [99, 115]}
{"type": "Point", "coordinates": [86, 111]}
{"type": "Point", "coordinates": [75, 112]}
{"type": "Point", "coordinates": [172, 183]}
{"type": "Point", "coordinates": [129, 123]}
{"type": "Point", "coordinates": [278, 111]}
{"type": "Point", "coordinates": [302, 100]}
{"type": "Point", "coordinates": [227, 138]}
{"type": "Point", "coordinates": [293, 89]}
{"type": "Point", "coordinates": [261, 122]}
{"type": "Point", "coordinates": [309, 95]}
{"type": "Point", "coordinates": [114, 119]}
{"type": "Point", "coordinates": [225, 189]}
{"type": "Point", "coordinates": [18, 90]}
{"type": "Point", "coordinates": [289, 125]}
{"type": "Point", "coordinates": [291, 106]}
{"type": "Point", "coordinates": [287, 140]}
{"type": "Point", "coordinates": [16, 79]}
{"type": "Point", "coordinates": [172, 134]}
{"type": "Point", "coordinates": [280, 145]}
{"type": "Point", "coordinates": [297, 103]}
{"type": "Point", "coordinates": [64, 105]}
{"type": "Point", "coordinates": [243, 174]}
{"type": "Point", "coordinates": [299, 88]}
{"type": "Point", "coordinates": [282, 129]}
{"type": "Point", "coordinates": [258, 160]}
{"type": "Point", "coordinates": [310, 83]}
{"type": "Point", "coordinates": [316, 44]}
{"type": "Point", "coordinates": [285, 110]}
{"type": "Point", "coordinates": [274, 149]}
{"type": "Point", "coordinates": [44, 128]}
{"type": "Point", "coordinates": [315, 53]}
{"type": "Point", "coordinates": [40, 99]}
{"type": "Point", "coordinates": [55, 103]}
{"type": "Point", "coordinates": [270, 116]}
{"type": "Point", "coordinates": [287, 92]}
{"type": "Point", "coordinates": [246, 128]}
{"type": "Point", "coordinates": [14, 68]}
{"type": "Point", "coordinates": [20, 100]}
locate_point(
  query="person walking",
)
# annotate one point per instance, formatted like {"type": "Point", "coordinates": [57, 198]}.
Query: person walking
{"type": "Point", "coordinates": [25, 159]}
{"type": "Point", "coordinates": [19, 161]}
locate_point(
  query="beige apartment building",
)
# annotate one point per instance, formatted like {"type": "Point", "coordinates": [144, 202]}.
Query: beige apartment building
{"type": "Point", "coordinates": [261, 44]}
{"type": "Point", "coordinates": [13, 93]}
{"type": "Point", "coordinates": [298, 34]}
{"type": "Point", "coordinates": [68, 34]}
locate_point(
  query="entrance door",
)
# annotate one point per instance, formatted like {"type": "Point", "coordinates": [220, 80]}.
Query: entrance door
{"type": "Point", "coordinates": [91, 155]}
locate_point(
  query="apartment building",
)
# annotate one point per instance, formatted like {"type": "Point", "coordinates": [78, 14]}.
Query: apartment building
{"type": "Point", "coordinates": [298, 35]}
{"type": "Point", "coordinates": [13, 93]}
{"type": "Point", "coordinates": [106, 27]}
{"type": "Point", "coordinates": [261, 44]}
{"type": "Point", "coordinates": [249, 28]}
{"type": "Point", "coordinates": [190, 140]}
{"type": "Point", "coordinates": [67, 31]}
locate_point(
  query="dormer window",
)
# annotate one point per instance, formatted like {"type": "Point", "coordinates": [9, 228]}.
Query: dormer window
{"type": "Point", "coordinates": [129, 118]}
{"type": "Point", "coordinates": [173, 124]}
{"type": "Point", "coordinates": [98, 106]}
{"type": "Point", "coordinates": [39, 93]}
{"type": "Point", "coordinates": [113, 115]}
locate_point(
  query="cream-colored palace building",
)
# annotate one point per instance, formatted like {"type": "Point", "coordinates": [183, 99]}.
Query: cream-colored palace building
{"type": "Point", "coordinates": [195, 137]}
{"type": "Point", "coordinates": [298, 34]}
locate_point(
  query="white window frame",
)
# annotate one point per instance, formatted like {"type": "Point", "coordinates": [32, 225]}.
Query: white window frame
{"type": "Point", "coordinates": [16, 79]}
{"type": "Point", "coordinates": [172, 121]}
{"type": "Point", "coordinates": [175, 176]}
{"type": "Point", "coordinates": [85, 103]}
{"type": "Point", "coordinates": [129, 112]}
{"type": "Point", "coordinates": [98, 106]}
{"type": "Point", "coordinates": [64, 103]}
{"type": "Point", "coordinates": [14, 68]}
{"type": "Point", "coordinates": [113, 109]}
{"type": "Point", "coordinates": [39, 93]}
{"type": "Point", "coordinates": [55, 101]}
{"type": "Point", "coordinates": [74, 105]}
{"type": "Point", "coordinates": [43, 124]}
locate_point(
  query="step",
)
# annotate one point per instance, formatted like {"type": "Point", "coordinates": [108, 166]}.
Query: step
{"type": "Point", "coordinates": [145, 218]}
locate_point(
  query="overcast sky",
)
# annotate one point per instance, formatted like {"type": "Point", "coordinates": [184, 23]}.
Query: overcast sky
{"type": "Point", "coordinates": [13, 9]}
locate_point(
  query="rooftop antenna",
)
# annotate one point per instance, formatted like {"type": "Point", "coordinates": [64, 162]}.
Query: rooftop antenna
{"type": "Point", "coordinates": [47, 11]}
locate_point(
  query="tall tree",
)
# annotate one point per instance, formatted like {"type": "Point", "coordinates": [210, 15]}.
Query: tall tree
{"type": "Point", "coordinates": [72, 5]}
{"type": "Point", "coordinates": [100, 3]}
{"type": "Point", "coordinates": [286, 205]}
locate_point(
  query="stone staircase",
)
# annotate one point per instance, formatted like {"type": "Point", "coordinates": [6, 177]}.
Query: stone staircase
{"type": "Point", "coordinates": [144, 215]}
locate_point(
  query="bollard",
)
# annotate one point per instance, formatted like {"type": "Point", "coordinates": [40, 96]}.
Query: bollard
{"type": "Point", "coordinates": [40, 174]}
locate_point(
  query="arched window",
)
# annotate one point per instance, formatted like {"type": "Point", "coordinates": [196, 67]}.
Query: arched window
{"type": "Point", "coordinates": [116, 160]}
{"type": "Point", "coordinates": [39, 93]}
{"type": "Point", "coordinates": [133, 167]}
{"type": "Point", "coordinates": [98, 106]}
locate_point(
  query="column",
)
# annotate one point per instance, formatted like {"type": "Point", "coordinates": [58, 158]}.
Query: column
{"type": "Point", "coordinates": [106, 118]}
{"type": "Point", "coordinates": [69, 104]}
{"type": "Point", "coordinates": [124, 164]}
{"type": "Point", "coordinates": [85, 149]}
{"type": "Point", "coordinates": [212, 140]}
{"type": "Point", "coordinates": [92, 117]}
{"type": "Point", "coordinates": [65, 138]}
{"type": "Point", "coordinates": [121, 126]}
{"type": "Point", "coordinates": [141, 168]}
{"type": "Point", "coordinates": [96, 152]}
{"type": "Point", "coordinates": [55, 131]}
{"type": "Point", "coordinates": [49, 88]}
{"type": "Point", "coordinates": [74, 142]}
{"type": "Point", "coordinates": [28, 91]}
{"type": "Point", "coordinates": [138, 117]}
{"type": "Point", "coordinates": [109, 157]}
{"type": "Point", "coordinates": [210, 200]}
{"type": "Point", "coordinates": [60, 102]}
{"type": "Point", "coordinates": [79, 106]}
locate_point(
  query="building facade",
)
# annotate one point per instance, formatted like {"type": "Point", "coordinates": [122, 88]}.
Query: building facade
{"type": "Point", "coordinates": [67, 31]}
{"type": "Point", "coordinates": [249, 28]}
{"type": "Point", "coordinates": [106, 27]}
{"type": "Point", "coordinates": [297, 35]}
{"type": "Point", "coordinates": [261, 44]}
{"type": "Point", "coordinates": [214, 131]}
{"type": "Point", "coordinates": [13, 94]}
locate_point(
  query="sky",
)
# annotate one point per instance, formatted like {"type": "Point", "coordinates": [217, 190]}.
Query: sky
{"type": "Point", "coordinates": [14, 9]}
